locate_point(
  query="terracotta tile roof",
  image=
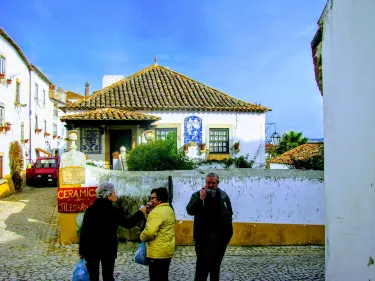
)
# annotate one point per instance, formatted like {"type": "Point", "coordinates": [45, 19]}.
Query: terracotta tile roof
{"type": "Point", "coordinates": [110, 114]}
{"type": "Point", "coordinates": [158, 88]}
{"type": "Point", "coordinates": [303, 151]}
{"type": "Point", "coordinates": [41, 75]}
{"type": "Point", "coordinates": [73, 96]}
{"type": "Point", "coordinates": [15, 46]}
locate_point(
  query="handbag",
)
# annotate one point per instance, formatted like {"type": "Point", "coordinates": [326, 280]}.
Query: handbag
{"type": "Point", "coordinates": [140, 256]}
{"type": "Point", "coordinates": [80, 272]}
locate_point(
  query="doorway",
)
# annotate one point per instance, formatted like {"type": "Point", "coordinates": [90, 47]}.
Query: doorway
{"type": "Point", "coordinates": [120, 138]}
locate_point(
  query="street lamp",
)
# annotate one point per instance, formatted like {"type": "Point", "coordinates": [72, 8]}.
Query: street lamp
{"type": "Point", "coordinates": [275, 139]}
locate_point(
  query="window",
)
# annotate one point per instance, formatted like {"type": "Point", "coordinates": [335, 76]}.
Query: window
{"type": "Point", "coordinates": [44, 98]}
{"type": "Point", "coordinates": [36, 92]}
{"type": "Point", "coordinates": [219, 140]}
{"type": "Point", "coordinates": [54, 130]}
{"type": "Point", "coordinates": [2, 114]}
{"type": "Point", "coordinates": [36, 122]}
{"type": "Point", "coordinates": [161, 133]}
{"type": "Point", "coordinates": [55, 110]}
{"type": "Point", "coordinates": [2, 65]}
{"type": "Point", "coordinates": [18, 92]}
{"type": "Point", "coordinates": [45, 126]}
{"type": "Point", "coordinates": [22, 132]}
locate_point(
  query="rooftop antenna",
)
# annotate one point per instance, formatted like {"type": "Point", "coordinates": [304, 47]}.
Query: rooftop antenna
{"type": "Point", "coordinates": [156, 60]}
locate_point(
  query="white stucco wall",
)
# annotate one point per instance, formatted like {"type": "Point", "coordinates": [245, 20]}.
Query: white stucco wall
{"type": "Point", "coordinates": [276, 166]}
{"type": "Point", "coordinates": [15, 115]}
{"type": "Point", "coordinates": [20, 115]}
{"type": "Point", "coordinates": [349, 99]}
{"type": "Point", "coordinates": [290, 197]}
{"type": "Point", "coordinates": [248, 128]}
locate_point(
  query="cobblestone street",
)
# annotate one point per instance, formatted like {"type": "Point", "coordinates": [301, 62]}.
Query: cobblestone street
{"type": "Point", "coordinates": [29, 250]}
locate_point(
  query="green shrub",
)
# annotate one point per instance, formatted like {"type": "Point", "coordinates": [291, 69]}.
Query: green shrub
{"type": "Point", "coordinates": [16, 163]}
{"type": "Point", "coordinates": [158, 155]}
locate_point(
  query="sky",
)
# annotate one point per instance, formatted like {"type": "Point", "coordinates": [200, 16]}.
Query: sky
{"type": "Point", "coordinates": [254, 50]}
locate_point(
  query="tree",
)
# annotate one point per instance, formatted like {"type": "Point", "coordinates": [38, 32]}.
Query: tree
{"type": "Point", "coordinates": [16, 163]}
{"type": "Point", "coordinates": [289, 141]}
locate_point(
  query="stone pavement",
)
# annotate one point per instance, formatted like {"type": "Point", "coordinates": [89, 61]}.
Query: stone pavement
{"type": "Point", "coordinates": [29, 250]}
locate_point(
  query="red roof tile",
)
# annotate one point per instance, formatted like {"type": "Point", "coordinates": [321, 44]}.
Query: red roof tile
{"type": "Point", "coordinates": [110, 114]}
{"type": "Point", "coordinates": [158, 88]}
{"type": "Point", "coordinates": [301, 152]}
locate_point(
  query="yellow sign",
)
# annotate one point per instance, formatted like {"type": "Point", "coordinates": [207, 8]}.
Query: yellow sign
{"type": "Point", "coordinates": [73, 175]}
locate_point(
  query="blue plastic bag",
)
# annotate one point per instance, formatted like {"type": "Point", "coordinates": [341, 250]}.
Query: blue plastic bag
{"type": "Point", "coordinates": [140, 254]}
{"type": "Point", "coordinates": [80, 272]}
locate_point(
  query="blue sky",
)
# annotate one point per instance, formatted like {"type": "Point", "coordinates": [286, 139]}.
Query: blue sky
{"type": "Point", "coordinates": [254, 50]}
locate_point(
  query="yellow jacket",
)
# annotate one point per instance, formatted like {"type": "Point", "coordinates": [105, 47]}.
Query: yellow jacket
{"type": "Point", "coordinates": [159, 232]}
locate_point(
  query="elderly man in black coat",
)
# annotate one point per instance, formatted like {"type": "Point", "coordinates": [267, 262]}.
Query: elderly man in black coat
{"type": "Point", "coordinates": [212, 211]}
{"type": "Point", "coordinates": [98, 237]}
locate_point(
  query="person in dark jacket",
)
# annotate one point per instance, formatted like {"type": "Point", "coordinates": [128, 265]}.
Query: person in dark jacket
{"type": "Point", "coordinates": [212, 211]}
{"type": "Point", "coordinates": [98, 236]}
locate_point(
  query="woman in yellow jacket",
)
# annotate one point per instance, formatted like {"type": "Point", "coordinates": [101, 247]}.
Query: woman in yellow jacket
{"type": "Point", "coordinates": [159, 235]}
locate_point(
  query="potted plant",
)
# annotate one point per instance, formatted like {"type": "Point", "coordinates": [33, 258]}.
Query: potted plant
{"type": "Point", "coordinates": [9, 81]}
{"type": "Point", "coordinates": [2, 75]}
{"type": "Point", "coordinates": [2, 128]}
{"type": "Point", "coordinates": [202, 146]}
{"type": "Point", "coordinates": [7, 126]}
{"type": "Point", "coordinates": [46, 134]}
{"type": "Point", "coordinates": [115, 155]}
{"type": "Point", "coordinates": [25, 141]}
{"type": "Point", "coordinates": [58, 137]}
{"type": "Point", "coordinates": [186, 147]}
{"type": "Point", "coordinates": [236, 146]}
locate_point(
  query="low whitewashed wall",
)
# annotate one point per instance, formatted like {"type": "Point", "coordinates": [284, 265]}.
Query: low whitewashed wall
{"type": "Point", "coordinates": [263, 196]}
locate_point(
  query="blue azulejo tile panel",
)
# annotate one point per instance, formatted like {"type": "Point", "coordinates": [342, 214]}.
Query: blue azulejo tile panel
{"type": "Point", "coordinates": [193, 129]}
{"type": "Point", "coordinates": [90, 141]}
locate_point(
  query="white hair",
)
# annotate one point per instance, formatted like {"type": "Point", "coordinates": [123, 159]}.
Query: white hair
{"type": "Point", "coordinates": [105, 189]}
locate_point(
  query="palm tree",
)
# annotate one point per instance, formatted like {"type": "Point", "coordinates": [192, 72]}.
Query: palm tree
{"type": "Point", "coordinates": [289, 141]}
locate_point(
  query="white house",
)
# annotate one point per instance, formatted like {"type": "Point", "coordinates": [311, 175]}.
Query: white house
{"type": "Point", "coordinates": [25, 104]}
{"type": "Point", "coordinates": [344, 59]}
{"type": "Point", "coordinates": [156, 101]}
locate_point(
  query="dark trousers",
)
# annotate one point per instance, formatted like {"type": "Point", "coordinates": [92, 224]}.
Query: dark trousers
{"type": "Point", "coordinates": [158, 269]}
{"type": "Point", "coordinates": [210, 251]}
{"type": "Point", "coordinates": [108, 266]}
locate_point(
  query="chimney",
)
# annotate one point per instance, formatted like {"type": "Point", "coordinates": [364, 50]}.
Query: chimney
{"type": "Point", "coordinates": [87, 90]}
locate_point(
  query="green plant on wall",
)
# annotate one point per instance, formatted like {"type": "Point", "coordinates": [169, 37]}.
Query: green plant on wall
{"type": "Point", "coordinates": [158, 155]}
{"type": "Point", "coordinates": [16, 163]}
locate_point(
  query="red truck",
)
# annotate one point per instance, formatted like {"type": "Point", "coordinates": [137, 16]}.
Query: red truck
{"type": "Point", "coordinates": [44, 171]}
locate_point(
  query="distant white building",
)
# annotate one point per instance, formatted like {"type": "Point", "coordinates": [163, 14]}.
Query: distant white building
{"type": "Point", "coordinates": [26, 105]}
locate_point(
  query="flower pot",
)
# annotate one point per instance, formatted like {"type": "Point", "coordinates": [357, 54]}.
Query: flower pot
{"type": "Point", "coordinates": [2, 75]}
{"type": "Point", "coordinates": [7, 128]}
{"type": "Point", "coordinates": [9, 81]}
{"type": "Point", "coordinates": [236, 146]}
{"type": "Point", "coordinates": [202, 146]}
{"type": "Point", "coordinates": [1, 128]}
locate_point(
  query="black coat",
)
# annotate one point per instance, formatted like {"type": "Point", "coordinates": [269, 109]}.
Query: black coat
{"type": "Point", "coordinates": [202, 216]}
{"type": "Point", "coordinates": [98, 237]}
